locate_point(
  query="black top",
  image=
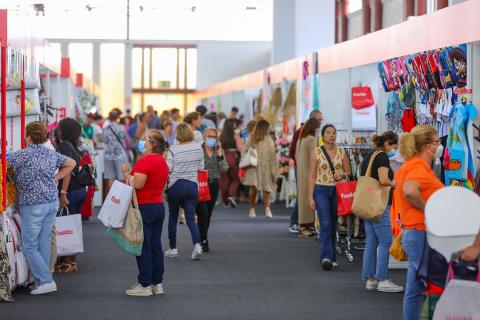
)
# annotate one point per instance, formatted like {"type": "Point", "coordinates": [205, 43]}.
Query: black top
{"type": "Point", "coordinates": [381, 160]}
{"type": "Point", "coordinates": [67, 149]}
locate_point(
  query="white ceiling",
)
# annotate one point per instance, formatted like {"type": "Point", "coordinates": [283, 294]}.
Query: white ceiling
{"type": "Point", "coordinates": [246, 20]}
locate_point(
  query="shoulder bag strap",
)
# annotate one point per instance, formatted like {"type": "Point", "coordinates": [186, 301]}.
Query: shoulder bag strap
{"type": "Point", "coordinates": [370, 163]}
{"type": "Point", "coordinates": [118, 139]}
{"type": "Point", "coordinates": [131, 182]}
{"type": "Point", "coordinates": [330, 163]}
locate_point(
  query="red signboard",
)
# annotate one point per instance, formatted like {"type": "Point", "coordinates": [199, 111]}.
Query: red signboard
{"type": "Point", "coordinates": [362, 97]}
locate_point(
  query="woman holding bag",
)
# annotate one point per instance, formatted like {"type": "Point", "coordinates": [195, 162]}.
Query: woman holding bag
{"type": "Point", "coordinates": [329, 165]}
{"type": "Point", "coordinates": [184, 161]}
{"type": "Point", "coordinates": [379, 233]}
{"type": "Point", "coordinates": [215, 163]}
{"type": "Point", "coordinates": [150, 175]}
{"type": "Point", "coordinates": [416, 183]}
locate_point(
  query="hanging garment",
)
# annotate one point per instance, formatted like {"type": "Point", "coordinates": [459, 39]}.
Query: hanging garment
{"type": "Point", "coordinates": [408, 120]}
{"type": "Point", "coordinates": [459, 159]}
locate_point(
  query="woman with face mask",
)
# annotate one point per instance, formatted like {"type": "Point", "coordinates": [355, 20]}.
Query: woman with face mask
{"type": "Point", "coordinates": [379, 233]}
{"type": "Point", "coordinates": [215, 163]}
{"type": "Point", "coordinates": [150, 175]}
{"type": "Point", "coordinates": [416, 182]}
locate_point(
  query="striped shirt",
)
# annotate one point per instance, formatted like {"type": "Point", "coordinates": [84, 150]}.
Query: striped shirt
{"type": "Point", "coordinates": [184, 161]}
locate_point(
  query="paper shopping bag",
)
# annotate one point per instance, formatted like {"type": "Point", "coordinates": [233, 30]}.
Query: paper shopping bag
{"type": "Point", "coordinates": [115, 207]}
{"type": "Point", "coordinates": [345, 194]}
{"type": "Point", "coordinates": [68, 229]}
{"type": "Point", "coordinates": [203, 189]}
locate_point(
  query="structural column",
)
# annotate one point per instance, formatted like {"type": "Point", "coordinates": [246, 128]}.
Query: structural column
{"type": "Point", "coordinates": [421, 7]}
{"type": "Point", "coordinates": [128, 76]}
{"type": "Point", "coordinates": [409, 8]}
{"type": "Point", "coordinates": [442, 4]}
{"type": "Point", "coordinates": [376, 7]}
{"type": "Point", "coordinates": [366, 16]}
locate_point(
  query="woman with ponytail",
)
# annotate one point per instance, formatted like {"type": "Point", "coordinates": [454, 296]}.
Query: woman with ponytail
{"type": "Point", "coordinates": [150, 175]}
{"type": "Point", "coordinates": [379, 233]}
{"type": "Point", "coordinates": [416, 183]}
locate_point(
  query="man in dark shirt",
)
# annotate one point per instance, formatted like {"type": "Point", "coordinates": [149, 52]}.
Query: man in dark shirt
{"type": "Point", "coordinates": [293, 147]}
{"type": "Point", "coordinates": [155, 122]}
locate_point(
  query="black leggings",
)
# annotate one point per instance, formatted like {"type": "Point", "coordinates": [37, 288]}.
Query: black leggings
{"type": "Point", "coordinates": [205, 209]}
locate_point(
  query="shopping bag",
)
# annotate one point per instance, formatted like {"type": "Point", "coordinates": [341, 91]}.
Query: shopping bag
{"type": "Point", "coordinates": [203, 189]}
{"type": "Point", "coordinates": [130, 236]}
{"type": "Point", "coordinates": [249, 158]}
{"type": "Point", "coordinates": [22, 267]}
{"type": "Point", "coordinates": [11, 238]}
{"type": "Point", "coordinates": [371, 198]}
{"type": "Point", "coordinates": [345, 195]}
{"type": "Point", "coordinates": [460, 300]}
{"type": "Point", "coordinates": [396, 249]}
{"type": "Point", "coordinates": [115, 207]}
{"type": "Point", "coordinates": [68, 229]}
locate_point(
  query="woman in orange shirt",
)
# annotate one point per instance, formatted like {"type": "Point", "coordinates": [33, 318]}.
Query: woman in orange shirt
{"type": "Point", "coordinates": [416, 183]}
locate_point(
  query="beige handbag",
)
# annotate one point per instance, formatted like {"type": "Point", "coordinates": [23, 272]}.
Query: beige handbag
{"type": "Point", "coordinates": [371, 198]}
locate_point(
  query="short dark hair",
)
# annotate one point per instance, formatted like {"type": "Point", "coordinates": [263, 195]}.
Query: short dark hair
{"type": "Point", "coordinates": [201, 109]}
{"type": "Point", "coordinates": [174, 110]}
{"type": "Point", "coordinates": [70, 130]}
{"type": "Point", "coordinates": [235, 109]}
{"type": "Point", "coordinates": [191, 117]}
{"type": "Point", "coordinates": [313, 113]}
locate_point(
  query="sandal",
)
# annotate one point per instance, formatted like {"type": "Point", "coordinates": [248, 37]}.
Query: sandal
{"type": "Point", "coordinates": [305, 233]}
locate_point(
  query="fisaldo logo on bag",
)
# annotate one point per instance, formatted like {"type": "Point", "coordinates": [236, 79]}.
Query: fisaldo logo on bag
{"type": "Point", "coordinates": [65, 232]}
{"type": "Point", "coordinates": [350, 195]}
{"type": "Point", "coordinates": [115, 200]}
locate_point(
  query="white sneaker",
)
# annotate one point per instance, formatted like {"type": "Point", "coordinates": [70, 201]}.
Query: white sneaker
{"type": "Point", "coordinates": [251, 213]}
{"type": "Point", "coordinates": [231, 201]}
{"type": "Point", "coordinates": [45, 288]}
{"type": "Point", "coordinates": [171, 253]}
{"type": "Point", "coordinates": [326, 264]}
{"type": "Point", "coordinates": [158, 289]}
{"type": "Point", "coordinates": [197, 252]}
{"type": "Point", "coordinates": [138, 290]}
{"type": "Point", "coordinates": [389, 286]}
{"type": "Point", "coordinates": [268, 213]}
{"type": "Point", "coordinates": [372, 285]}
{"type": "Point", "coordinates": [334, 265]}
{"type": "Point", "coordinates": [293, 228]}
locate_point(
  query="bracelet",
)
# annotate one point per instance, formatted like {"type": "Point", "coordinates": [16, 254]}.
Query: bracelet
{"type": "Point", "coordinates": [63, 192]}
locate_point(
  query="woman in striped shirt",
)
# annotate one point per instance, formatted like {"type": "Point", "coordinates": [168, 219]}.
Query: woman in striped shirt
{"type": "Point", "coordinates": [184, 160]}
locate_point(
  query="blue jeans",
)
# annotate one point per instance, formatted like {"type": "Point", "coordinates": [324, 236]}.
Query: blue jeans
{"type": "Point", "coordinates": [150, 263]}
{"type": "Point", "coordinates": [183, 194]}
{"type": "Point", "coordinates": [376, 254]}
{"type": "Point", "coordinates": [76, 198]}
{"type": "Point", "coordinates": [413, 242]}
{"type": "Point", "coordinates": [326, 204]}
{"type": "Point", "coordinates": [37, 225]}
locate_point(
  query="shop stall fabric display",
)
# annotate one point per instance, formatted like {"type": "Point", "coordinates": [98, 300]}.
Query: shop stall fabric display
{"type": "Point", "coordinates": [429, 88]}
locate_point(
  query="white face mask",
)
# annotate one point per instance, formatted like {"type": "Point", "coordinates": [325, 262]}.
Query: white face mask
{"type": "Point", "coordinates": [439, 152]}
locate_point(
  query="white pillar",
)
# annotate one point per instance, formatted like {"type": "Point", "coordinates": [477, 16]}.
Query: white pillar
{"type": "Point", "coordinates": [128, 75]}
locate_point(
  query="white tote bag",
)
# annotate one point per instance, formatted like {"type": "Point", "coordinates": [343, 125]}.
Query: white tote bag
{"type": "Point", "coordinates": [115, 207]}
{"type": "Point", "coordinates": [460, 300]}
{"type": "Point", "coordinates": [249, 158]}
{"type": "Point", "coordinates": [68, 229]}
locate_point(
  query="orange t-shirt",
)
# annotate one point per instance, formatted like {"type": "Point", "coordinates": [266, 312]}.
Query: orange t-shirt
{"type": "Point", "coordinates": [418, 170]}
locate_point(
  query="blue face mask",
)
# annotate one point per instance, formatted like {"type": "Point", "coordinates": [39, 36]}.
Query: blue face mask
{"type": "Point", "coordinates": [141, 146]}
{"type": "Point", "coordinates": [211, 142]}
{"type": "Point", "coordinates": [392, 154]}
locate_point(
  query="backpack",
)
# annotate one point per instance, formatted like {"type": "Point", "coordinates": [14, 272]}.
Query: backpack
{"type": "Point", "coordinates": [434, 71]}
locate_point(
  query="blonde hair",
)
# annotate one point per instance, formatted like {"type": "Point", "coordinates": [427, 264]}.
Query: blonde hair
{"type": "Point", "coordinates": [184, 133]}
{"type": "Point", "coordinates": [205, 133]}
{"type": "Point", "coordinates": [260, 132]}
{"type": "Point", "coordinates": [412, 143]}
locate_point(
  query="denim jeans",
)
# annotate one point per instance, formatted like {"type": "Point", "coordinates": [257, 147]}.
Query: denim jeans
{"type": "Point", "coordinates": [183, 194]}
{"type": "Point", "coordinates": [413, 242]}
{"type": "Point", "coordinates": [376, 254]}
{"type": "Point", "coordinates": [76, 198]}
{"type": "Point", "coordinates": [326, 204]}
{"type": "Point", "coordinates": [150, 263]}
{"type": "Point", "coordinates": [37, 225]}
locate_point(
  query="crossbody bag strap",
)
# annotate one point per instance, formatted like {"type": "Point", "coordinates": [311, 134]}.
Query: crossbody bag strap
{"type": "Point", "coordinates": [118, 139]}
{"type": "Point", "coordinates": [131, 182]}
{"type": "Point", "coordinates": [330, 163]}
{"type": "Point", "coordinates": [370, 163]}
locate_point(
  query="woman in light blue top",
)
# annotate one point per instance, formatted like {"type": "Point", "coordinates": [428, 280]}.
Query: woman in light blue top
{"type": "Point", "coordinates": [184, 160]}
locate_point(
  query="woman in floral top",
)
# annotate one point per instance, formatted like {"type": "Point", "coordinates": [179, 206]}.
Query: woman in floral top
{"type": "Point", "coordinates": [34, 174]}
{"type": "Point", "coordinates": [214, 163]}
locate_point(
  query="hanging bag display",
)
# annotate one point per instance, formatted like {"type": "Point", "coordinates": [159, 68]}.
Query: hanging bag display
{"type": "Point", "coordinates": [68, 229]}
{"type": "Point", "coordinates": [371, 198]}
{"type": "Point", "coordinates": [129, 237]}
{"type": "Point", "coordinates": [115, 207]}
{"type": "Point", "coordinates": [362, 97]}
{"type": "Point", "coordinates": [203, 189]}
{"type": "Point", "coordinates": [249, 158]}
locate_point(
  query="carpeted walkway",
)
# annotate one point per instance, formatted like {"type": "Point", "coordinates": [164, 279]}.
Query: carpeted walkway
{"type": "Point", "coordinates": [256, 270]}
